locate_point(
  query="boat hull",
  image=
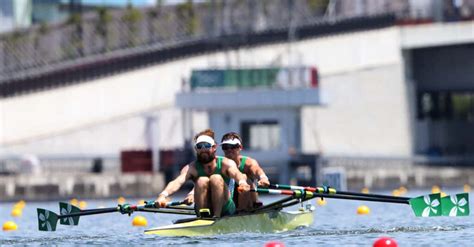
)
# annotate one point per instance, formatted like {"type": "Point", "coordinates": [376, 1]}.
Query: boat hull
{"type": "Point", "coordinates": [273, 221]}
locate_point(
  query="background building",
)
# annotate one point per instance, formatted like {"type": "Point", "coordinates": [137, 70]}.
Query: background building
{"type": "Point", "coordinates": [15, 14]}
{"type": "Point", "coordinates": [392, 104]}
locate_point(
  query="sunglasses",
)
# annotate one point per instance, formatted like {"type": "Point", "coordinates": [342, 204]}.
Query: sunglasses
{"type": "Point", "coordinates": [230, 146]}
{"type": "Point", "coordinates": [203, 145]}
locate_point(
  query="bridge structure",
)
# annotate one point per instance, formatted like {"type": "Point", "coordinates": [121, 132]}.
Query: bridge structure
{"type": "Point", "coordinates": [372, 72]}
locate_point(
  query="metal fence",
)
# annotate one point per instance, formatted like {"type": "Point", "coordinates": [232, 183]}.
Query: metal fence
{"type": "Point", "coordinates": [103, 32]}
{"type": "Point", "coordinates": [48, 164]}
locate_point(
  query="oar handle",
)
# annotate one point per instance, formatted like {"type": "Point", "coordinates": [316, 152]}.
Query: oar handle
{"type": "Point", "coordinates": [151, 204]}
{"type": "Point", "coordinates": [176, 203]}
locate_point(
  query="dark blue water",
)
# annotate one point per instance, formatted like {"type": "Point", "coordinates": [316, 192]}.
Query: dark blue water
{"type": "Point", "coordinates": [336, 224]}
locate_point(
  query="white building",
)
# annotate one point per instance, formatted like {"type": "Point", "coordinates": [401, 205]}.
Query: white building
{"type": "Point", "coordinates": [387, 92]}
{"type": "Point", "coordinates": [15, 14]}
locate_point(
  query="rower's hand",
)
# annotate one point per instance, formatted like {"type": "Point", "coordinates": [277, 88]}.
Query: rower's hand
{"type": "Point", "coordinates": [263, 182]}
{"type": "Point", "coordinates": [125, 209]}
{"type": "Point", "coordinates": [244, 187]}
{"type": "Point", "coordinates": [189, 199]}
{"type": "Point", "coordinates": [161, 202]}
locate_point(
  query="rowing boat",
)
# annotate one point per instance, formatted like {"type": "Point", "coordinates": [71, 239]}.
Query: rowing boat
{"type": "Point", "coordinates": [265, 219]}
{"type": "Point", "coordinates": [264, 222]}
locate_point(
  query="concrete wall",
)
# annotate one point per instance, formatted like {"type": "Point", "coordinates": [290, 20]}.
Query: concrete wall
{"type": "Point", "coordinates": [367, 114]}
{"type": "Point", "coordinates": [360, 73]}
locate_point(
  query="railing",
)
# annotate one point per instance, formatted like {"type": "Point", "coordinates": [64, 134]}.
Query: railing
{"type": "Point", "coordinates": [368, 163]}
{"type": "Point", "coordinates": [390, 172]}
{"type": "Point", "coordinates": [42, 48]}
{"type": "Point", "coordinates": [106, 32]}
{"type": "Point", "coordinates": [60, 164]}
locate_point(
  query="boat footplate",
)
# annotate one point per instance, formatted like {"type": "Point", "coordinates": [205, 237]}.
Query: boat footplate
{"type": "Point", "coordinates": [204, 213]}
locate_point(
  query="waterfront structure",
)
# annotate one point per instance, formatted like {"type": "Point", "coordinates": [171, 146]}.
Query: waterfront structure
{"type": "Point", "coordinates": [393, 93]}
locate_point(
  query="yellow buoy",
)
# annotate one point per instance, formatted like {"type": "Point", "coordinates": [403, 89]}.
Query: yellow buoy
{"type": "Point", "coordinates": [139, 221]}
{"type": "Point", "coordinates": [20, 204]}
{"type": "Point", "coordinates": [9, 226]}
{"type": "Point", "coordinates": [443, 194]}
{"type": "Point", "coordinates": [320, 201]}
{"type": "Point", "coordinates": [435, 189]}
{"type": "Point", "coordinates": [365, 190]}
{"type": "Point", "coordinates": [467, 188]}
{"type": "Point", "coordinates": [121, 200]}
{"type": "Point", "coordinates": [396, 192]}
{"type": "Point", "coordinates": [82, 204]}
{"type": "Point", "coordinates": [363, 210]}
{"type": "Point", "coordinates": [403, 190]}
{"type": "Point", "coordinates": [16, 212]}
{"type": "Point", "coordinates": [141, 202]}
{"type": "Point", "coordinates": [74, 202]}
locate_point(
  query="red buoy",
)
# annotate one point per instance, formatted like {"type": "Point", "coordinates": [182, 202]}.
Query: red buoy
{"type": "Point", "coordinates": [274, 244]}
{"type": "Point", "coordinates": [385, 242]}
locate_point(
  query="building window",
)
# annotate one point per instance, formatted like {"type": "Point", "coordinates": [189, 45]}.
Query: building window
{"type": "Point", "coordinates": [425, 104]}
{"type": "Point", "coordinates": [260, 136]}
{"type": "Point", "coordinates": [463, 106]}
{"type": "Point", "coordinates": [446, 106]}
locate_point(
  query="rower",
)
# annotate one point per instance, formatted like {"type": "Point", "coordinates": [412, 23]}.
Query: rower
{"type": "Point", "coordinates": [231, 144]}
{"type": "Point", "coordinates": [211, 175]}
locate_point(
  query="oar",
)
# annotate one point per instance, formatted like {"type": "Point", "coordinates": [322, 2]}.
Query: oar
{"type": "Point", "coordinates": [69, 214]}
{"type": "Point", "coordinates": [422, 206]}
{"type": "Point", "coordinates": [455, 205]}
{"type": "Point", "coordinates": [329, 190]}
{"type": "Point", "coordinates": [310, 195]}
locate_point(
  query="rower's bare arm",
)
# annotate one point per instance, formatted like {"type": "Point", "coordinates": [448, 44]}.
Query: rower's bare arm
{"type": "Point", "coordinates": [233, 172]}
{"type": "Point", "coordinates": [173, 186]}
{"type": "Point", "coordinates": [258, 173]}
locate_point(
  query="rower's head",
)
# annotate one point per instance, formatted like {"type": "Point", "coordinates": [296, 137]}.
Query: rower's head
{"type": "Point", "coordinates": [231, 144]}
{"type": "Point", "coordinates": [205, 146]}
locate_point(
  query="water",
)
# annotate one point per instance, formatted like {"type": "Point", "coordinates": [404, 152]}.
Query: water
{"type": "Point", "coordinates": [336, 224]}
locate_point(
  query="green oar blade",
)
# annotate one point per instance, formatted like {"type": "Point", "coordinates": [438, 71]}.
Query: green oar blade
{"type": "Point", "coordinates": [66, 208]}
{"type": "Point", "coordinates": [47, 220]}
{"type": "Point", "coordinates": [455, 205]}
{"type": "Point", "coordinates": [426, 206]}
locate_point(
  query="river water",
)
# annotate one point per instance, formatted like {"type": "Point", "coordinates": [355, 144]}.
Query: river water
{"type": "Point", "coordinates": [336, 224]}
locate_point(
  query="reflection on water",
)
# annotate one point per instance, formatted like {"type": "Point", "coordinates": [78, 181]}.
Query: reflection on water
{"type": "Point", "coordinates": [335, 224]}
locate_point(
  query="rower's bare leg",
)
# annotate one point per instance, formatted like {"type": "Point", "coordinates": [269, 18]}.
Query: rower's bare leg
{"type": "Point", "coordinates": [201, 193]}
{"type": "Point", "coordinates": [219, 194]}
{"type": "Point", "coordinates": [246, 199]}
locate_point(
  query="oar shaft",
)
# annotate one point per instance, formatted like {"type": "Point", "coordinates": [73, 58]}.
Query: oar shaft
{"type": "Point", "coordinates": [90, 212]}
{"type": "Point", "coordinates": [113, 209]}
{"type": "Point", "coordinates": [309, 195]}
{"type": "Point", "coordinates": [360, 198]}
{"type": "Point", "coordinates": [274, 204]}
{"type": "Point", "coordinates": [177, 203]}
{"type": "Point", "coordinates": [168, 211]}
{"type": "Point", "coordinates": [328, 190]}
{"type": "Point", "coordinates": [372, 195]}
